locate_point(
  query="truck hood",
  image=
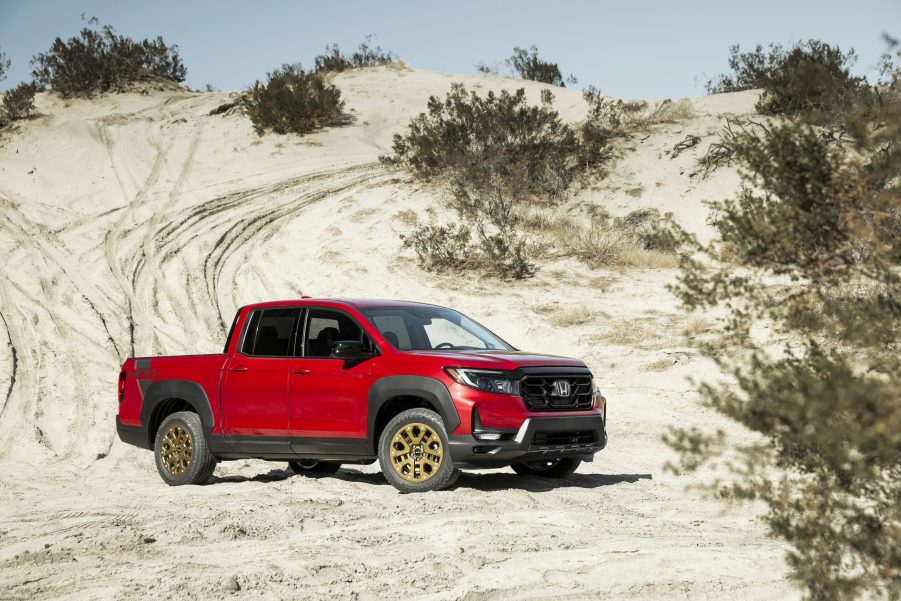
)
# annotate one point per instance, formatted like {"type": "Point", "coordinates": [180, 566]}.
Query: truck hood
{"type": "Point", "coordinates": [507, 360]}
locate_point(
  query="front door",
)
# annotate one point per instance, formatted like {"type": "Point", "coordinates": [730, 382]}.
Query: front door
{"type": "Point", "coordinates": [329, 397]}
{"type": "Point", "coordinates": [256, 408]}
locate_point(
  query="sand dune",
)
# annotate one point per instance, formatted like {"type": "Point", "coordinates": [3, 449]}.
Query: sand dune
{"type": "Point", "coordinates": [137, 224]}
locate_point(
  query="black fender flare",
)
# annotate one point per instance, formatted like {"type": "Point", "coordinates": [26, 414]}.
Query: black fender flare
{"type": "Point", "coordinates": [185, 390]}
{"type": "Point", "coordinates": [430, 389]}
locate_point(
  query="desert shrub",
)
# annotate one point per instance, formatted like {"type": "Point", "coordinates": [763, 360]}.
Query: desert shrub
{"type": "Point", "coordinates": [649, 230]}
{"type": "Point", "coordinates": [749, 69]}
{"type": "Point", "coordinates": [827, 406]}
{"type": "Point", "coordinates": [811, 79]}
{"type": "Point", "coordinates": [99, 60]}
{"type": "Point", "coordinates": [471, 139]}
{"type": "Point", "coordinates": [641, 239]}
{"type": "Point", "coordinates": [4, 65]}
{"type": "Point", "coordinates": [366, 55]}
{"type": "Point", "coordinates": [528, 65]}
{"type": "Point", "coordinates": [453, 248]}
{"type": "Point", "coordinates": [441, 248]}
{"type": "Point", "coordinates": [889, 71]}
{"type": "Point", "coordinates": [18, 103]}
{"type": "Point", "coordinates": [293, 101]}
{"type": "Point", "coordinates": [612, 117]}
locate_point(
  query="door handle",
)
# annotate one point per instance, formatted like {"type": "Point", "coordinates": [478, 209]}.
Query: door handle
{"type": "Point", "coordinates": [300, 372]}
{"type": "Point", "coordinates": [239, 368]}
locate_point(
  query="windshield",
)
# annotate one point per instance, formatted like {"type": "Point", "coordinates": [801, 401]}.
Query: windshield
{"type": "Point", "coordinates": [432, 328]}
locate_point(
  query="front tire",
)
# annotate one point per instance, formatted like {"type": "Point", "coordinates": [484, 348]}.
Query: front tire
{"type": "Point", "coordinates": [181, 453]}
{"type": "Point", "coordinates": [414, 453]}
{"type": "Point", "coordinates": [548, 468]}
{"type": "Point", "coordinates": [313, 467]}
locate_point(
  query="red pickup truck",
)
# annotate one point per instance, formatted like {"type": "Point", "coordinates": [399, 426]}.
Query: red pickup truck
{"type": "Point", "coordinates": [319, 383]}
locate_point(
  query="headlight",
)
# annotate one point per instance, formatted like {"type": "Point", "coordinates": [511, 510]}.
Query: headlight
{"type": "Point", "coordinates": [598, 399]}
{"type": "Point", "coordinates": [501, 382]}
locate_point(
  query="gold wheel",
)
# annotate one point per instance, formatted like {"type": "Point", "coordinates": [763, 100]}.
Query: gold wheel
{"type": "Point", "coordinates": [416, 452]}
{"type": "Point", "coordinates": [177, 450]}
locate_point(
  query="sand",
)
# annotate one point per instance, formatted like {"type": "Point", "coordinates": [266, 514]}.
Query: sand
{"type": "Point", "coordinates": [137, 224]}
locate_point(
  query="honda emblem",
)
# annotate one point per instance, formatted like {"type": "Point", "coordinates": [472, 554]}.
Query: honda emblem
{"type": "Point", "coordinates": [561, 388]}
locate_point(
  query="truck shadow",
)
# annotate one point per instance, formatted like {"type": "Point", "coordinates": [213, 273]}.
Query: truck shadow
{"type": "Point", "coordinates": [506, 481]}
{"type": "Point", "coordinates": [486, 482]}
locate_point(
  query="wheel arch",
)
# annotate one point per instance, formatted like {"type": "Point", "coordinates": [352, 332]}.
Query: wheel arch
{"type": "Point", "coordinates": [164, 398]}
{"type": "Point", "coordinates": [393, 394]}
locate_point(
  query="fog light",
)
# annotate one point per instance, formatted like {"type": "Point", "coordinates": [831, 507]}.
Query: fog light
{"type": "Point", "coordinates": [488, 436]}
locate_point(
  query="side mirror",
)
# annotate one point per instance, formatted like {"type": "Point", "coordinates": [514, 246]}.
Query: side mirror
{"type": "Point", "coordinates": [350, 349]}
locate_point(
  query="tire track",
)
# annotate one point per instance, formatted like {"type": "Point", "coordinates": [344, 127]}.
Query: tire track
{"type": "Point", "coordinates": [14, 368]}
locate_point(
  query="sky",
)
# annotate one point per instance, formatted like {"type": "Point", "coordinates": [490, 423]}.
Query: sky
{"type": "Point", "coordinates": [630, 49]}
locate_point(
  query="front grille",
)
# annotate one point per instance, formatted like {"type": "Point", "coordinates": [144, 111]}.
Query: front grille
{"type": "Point", "coordinates": [538, 392]}
{"type": "Point", "coordinates": [563, 438]}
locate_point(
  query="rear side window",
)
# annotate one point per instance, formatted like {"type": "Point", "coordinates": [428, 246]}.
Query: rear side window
{"type": "Point", "coordinates": [394, 329]}
{"type": "Point", "coordinates": [269, 333]}
{"type": "Point", "coordinates": [325, 327]}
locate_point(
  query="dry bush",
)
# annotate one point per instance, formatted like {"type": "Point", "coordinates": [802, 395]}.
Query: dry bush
{"type": "Point", "coordinates": [293, 101]}
{"type": "Point", "coordinates": [407, 217]}
{"type": "Point", "coordinates": [637, 240]}
{"type": "Point", "coordinates": [645, 333]}
{"type": "Point", "coordinates": [526, 64]}
{"type": "Point", "coordinates": [454, 248]}
{"type": "Point", "coordinates": [99, 60]}
{"type": "Point", "coordinates": [660, 365]}
{"type": "Point", "coordinates": [810, 79]}
{"type": "Point", "coordinates": [366, 55]}
{"type": "Point", "coordinates": [635, 192]}
{"type": "Point", "coordinates": [673, 112]}
{"type": "Point", "coordinates": [4, 65]}
{"type": "Point", "coordinates": [18, 103]}
{"type": "Point", "coordinates": [574, 316]}
{"type": "Point", "coordinates": [612, 117]}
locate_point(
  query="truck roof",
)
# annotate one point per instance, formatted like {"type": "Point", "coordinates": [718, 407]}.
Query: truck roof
{"type": "Point", "coordinates": [357, 303]}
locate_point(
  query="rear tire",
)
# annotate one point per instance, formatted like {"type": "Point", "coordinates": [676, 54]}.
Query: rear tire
{"type": "Point", "coordinates": [548, 468]}
{"type": "Point", "coordinates": [313, 467]}
{"type": "Point", "coordinates": [414, 453]}
{"type": "Point", "coordinates": [181, 453]}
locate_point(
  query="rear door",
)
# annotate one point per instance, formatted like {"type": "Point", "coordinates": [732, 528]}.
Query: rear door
{"type": "Point", "coordinates": [255, 402]}
{"type": "Point", "coordinates": [329, 396]}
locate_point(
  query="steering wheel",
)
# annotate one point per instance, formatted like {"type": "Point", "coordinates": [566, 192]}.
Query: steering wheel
{"type": "Point", "coordinates": [444, 345]}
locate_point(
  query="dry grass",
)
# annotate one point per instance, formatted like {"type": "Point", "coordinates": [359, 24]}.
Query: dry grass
{"type": "Point", "coordinates": [647, 332]}
{"type": "Point", "coordinates": [660, 365]}
{"type": "Point", "coordinates": [698, 326]}
{"type": "Point", "coordinates": [573, 316]}
{"type": "Point", "coordinates": [600, 242]}
{"type": "Point", "coordinates": [671, 112]}
{"type": "Point", "coordinates": [407, 217]}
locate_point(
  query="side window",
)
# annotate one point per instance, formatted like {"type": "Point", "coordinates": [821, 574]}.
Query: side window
{"type": "Point", "coordinates": [269, 332]}
{"type": "Point", "coordinates": [394, 329]}
{"type": "Point", "coordinates": [325, 327]}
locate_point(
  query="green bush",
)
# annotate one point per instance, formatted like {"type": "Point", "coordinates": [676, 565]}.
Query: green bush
{"type": "Point", "coordinates": [451, 248]}
{"type": "Point", "coordinates": [498, 155]}
{"type": "Point", "coordinates": [333, 60]}
{"type": "Point", "coordinates": [811, 79]}
{"type": "Point", "coordinates": [293, 101]}
{"type": "Point", "coordinates": [18, 103]}
{"type": "Point", "coordinates": [471, 139]}
{"type": "Point", "coordinates": [823, 221]}
{"type": "Point", "coordinates": [528, 65]}
{"type": "Point", "coordinates": [99, 60]}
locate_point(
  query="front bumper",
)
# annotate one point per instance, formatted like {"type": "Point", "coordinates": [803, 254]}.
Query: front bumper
{"type": "Point", "coordinates": [468, 452]}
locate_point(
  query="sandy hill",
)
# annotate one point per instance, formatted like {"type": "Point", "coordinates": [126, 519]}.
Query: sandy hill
{"type": "Point", "coordinates": [136, 225]}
